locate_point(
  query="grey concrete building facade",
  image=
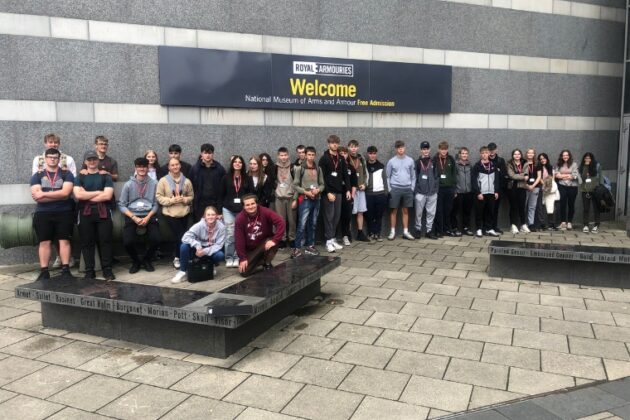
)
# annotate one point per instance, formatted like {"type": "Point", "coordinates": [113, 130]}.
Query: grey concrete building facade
{"type": "Point", "coordinates": [526, 73]}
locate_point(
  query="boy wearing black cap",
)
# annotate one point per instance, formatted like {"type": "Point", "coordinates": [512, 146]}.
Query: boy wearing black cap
{"type": "Point", "coordinates": [425, 191]}
{"type": "Point", "coordinates": [139, 205]}
{"type": "Point", "coordinates": [206, 176]}
{"type": "Point", "coordinates": [95, 190]}
{"type": "Point", "coordinates": [51, 188]}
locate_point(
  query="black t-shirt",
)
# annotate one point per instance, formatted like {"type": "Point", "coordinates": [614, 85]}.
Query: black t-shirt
{"type": "Point", "coordinates": [53, 181]}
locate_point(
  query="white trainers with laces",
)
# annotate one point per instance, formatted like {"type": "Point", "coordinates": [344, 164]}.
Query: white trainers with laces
{"type": "Point", "coordinates": [391, 236]}
{"type": "Point", "coordinates": [57, 262]}
{"type": "Point", "coordinates": [176, 262]}
{"type": "Point", "coordinates": [514, 230]}
{"type": "Point", "coordinates": [569, 226]}
{"type": "Point", "coordinates": [336, 245]}
{"type": "Point", "coordinates": [346, 241]}
{"type": "Point", "coordinates": [479, 233]}
{"type": "Point", "coordinates": [179, 277]}
{"type": "Point", "coordinates": [228, 262]}
{"type": "Point", "coordinates": [594, 229]}
{"type": "Point", "coordinates": [329, 246]}
{"type": "Point", "coordinates": [408, 236]}
{"type": "Point", "coordinates": [491, 232]}
{"type": "Point", "coordinates": [525, 229]}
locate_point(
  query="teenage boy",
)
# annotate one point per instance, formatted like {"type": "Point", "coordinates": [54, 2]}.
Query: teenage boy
{"type": "Point", "coordinates": [401, 178]}
{"type": "Point", "coordinates": [501, 166]}
{"type": "Point", "coordinates": [426, 190]}
{"type": "Point", "coordinates": [300, 152]}
{"type": "Point", "coordinates": [257, 232]}
{"type": "Point", "coordinates": [286, 196]}
{"type": "Point", "coordinates": [206, 177]}
{"type": "Point", "coordinates": [336, 176]}
{"type": "Point", "coordinates": [139, 205]}
{"type": "Point", "coordinates": [485, 184]}
{"type": "Point", "coordinates": [66, 163]}
{"type": "Point", "coordinates": [309, 185]}
{"type": "Point", "coordinates": [106, 164]}
{"type": "Point", "coordinates": [359, 206]}
{"type": "Point", "coordinates": [376, 192]}
{"type": "Point", "coordinates": [53, 220]}
{"type": "Point", "coordinates": [175, 152]}
{"type": "Point", "coordinates": [95, 190]}
{"type": "Point", "coordinates": [464, 197]}
{"type": "Point", "coordinates": [447, 171]}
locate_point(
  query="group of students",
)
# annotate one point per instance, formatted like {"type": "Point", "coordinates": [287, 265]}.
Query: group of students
{"type": "Point", "coordinates": [246, 213]}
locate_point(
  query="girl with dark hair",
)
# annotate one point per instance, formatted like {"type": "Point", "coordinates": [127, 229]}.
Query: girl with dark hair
{"type": "Point", "coordinates": [346, 205]}
{"type": "Point", "coordinates": [270, 170]}
{"type": "Point", "coordinates": [549, 192]}
{"type": "Point", "coordinates": [517, 192]}
{"type": "Point", "coordinates": [534, 179]}
{"type": "Point", "coordinates": [567, 176]}
{"type": "Point", "coordinates": [234, 185]}
{"type": "Point", "coordinates": [591, 174]}
{"type": "Point", "coordinates": [263, 188]}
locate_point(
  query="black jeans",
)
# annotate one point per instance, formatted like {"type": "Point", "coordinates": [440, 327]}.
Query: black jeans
{"type": "Point", "coordinates": [567, 201]}
{"type": "Point", "coordinates": [495, 211]}
{"type": "Point", "coordinates": [345, 220]}
{"type": "Point", "coordinates": [130, 234]}
{"type": "Point", "coordinates": [462, 205]}
{"type": "Point", "coordinates": [484, 212]}
{"type": "Point", "coordinates": [517, 198]}
{"type": "Point", "coordinates": [589, 200]}
{"type": "Point", "coordinates": [178, 226]}
{"type": "Point", "coordinates": [376, 205]}
{"type": "Point", "coordinates": [443, 212]}
{"type": "Point", "coordinates": [93, 229]}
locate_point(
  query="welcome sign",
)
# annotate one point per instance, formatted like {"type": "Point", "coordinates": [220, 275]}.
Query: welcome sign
{"type": "Point", "coordinates": [235, 79]}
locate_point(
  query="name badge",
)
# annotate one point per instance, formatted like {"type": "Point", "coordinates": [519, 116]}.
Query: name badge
{"type": "Point", "coordinates": [532, 180]}
{"type": "Point", "coordinates": [333, 174]}
{"type": "Point", "coordinates": [349, 172]}
{"type": "Point", "coordinates": [141, 204]}
{"type": "Point", "coordinates": [283, 184]}
{"type": "Point", "coordinates": [312, 187]}
{"type": "Point", "coordinates": [587, 180]}
{"type": "Point", "coordinates": [443, 176]}
{"type": "Point", "coordinates": [357, 174]}
{"type": "Point", "coordinates": [425, 177]}
{"type": "Point", "coordinates": [237, 201]}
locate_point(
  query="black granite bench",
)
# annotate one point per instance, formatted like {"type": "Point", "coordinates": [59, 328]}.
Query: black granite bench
{"type": "Point", "coordinates": [180, 319]}
{"type": "Point", "coordinates": [561, 263]}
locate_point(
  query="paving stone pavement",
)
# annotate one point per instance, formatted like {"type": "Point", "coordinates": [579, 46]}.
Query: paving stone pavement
{"type": "Point", "coordinates": [404, 329]}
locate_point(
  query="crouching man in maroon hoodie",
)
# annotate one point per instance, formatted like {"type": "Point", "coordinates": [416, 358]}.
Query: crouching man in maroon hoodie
{"type": "Point", "coordinates": [256, 241]}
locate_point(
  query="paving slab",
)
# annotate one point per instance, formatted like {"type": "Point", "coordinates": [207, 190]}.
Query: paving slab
{"type": "Point", "coordinates": [199, 407]}
{"type": "Point", "coordinates": [364, 355]}
{"type": "Point", "coordinates": [464, 349]}
{"type": "Point", "coordinates": [421, 364]}
{"type": "Point", "coordinates": [211, 382]}
{"type": "Point", "coordinates": [573, 365]}
{"type": "Point", "coordinates": [477, 373]}
{"type": "Point", "coordinates": [24, 407]}
{"type": "Point", "coordinates": [263, 392]}
{"type": "Point", "coordinates": [531, 382]}
{"type": "Point", "coordinates": [324, 373]}
{"type": "Point", "coordinates": [378, 408]}
{"type": "Point", "coordinates": [145, 401]}
{"type": "Point", "coordinates": [101, 391]}
{"type": "Point", "coordinates": [511, 356]}
{"type": "Point", "coordinates": [318, 403]}
{"type": "Point", "coordinates": [267, 362]}
{"type": "Point", "coordinates": [488, 334]}
{"type": "Point", "coordinates": [436, 393]}
{"type": "Point", "coordinates": [13, 368]}
{"type": "Point", "coordinates": [47, 381]}
{"type": "Point", "coordinates": [375, 382]}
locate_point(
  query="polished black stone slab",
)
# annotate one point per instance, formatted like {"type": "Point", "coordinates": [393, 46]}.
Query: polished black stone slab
{"type": "Point", "coordinates": [614, 255]}
{"type": "Point", "coordinates": [258, 292]}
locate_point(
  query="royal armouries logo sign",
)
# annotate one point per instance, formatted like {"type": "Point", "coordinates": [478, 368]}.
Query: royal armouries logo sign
{"type": "Point", "coordinates": [219, 78]}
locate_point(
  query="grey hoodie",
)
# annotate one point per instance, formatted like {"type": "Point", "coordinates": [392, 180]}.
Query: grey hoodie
{"type": "Point", "coordinates": [464, 171]}
{"type": "Point", "coordinates": [197, 237]}
{"type": "Point", "coordinates": [138, 197]}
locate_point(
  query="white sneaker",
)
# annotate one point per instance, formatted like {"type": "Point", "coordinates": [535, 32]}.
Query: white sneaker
{"type": "Point", "coordinates": [594, 229]}
{"type": "Point", "coordinates": [57, 262]}
{"type": "Point", "coordinates": [336, 245]}
{"type": "Point", "coordinates": [179, 277]}
{"type": "Point", "coordinates": [525, 229]}
{"type": "Point", "coordinates": [391, 236]}
{"type": "Point", "coordinates": [176, 262]}
{"type": "Point", "coordinates": [214, 272]}
{"type": "Point", "coordinates": [569, 226]}
{"type": "Point", "coordinates": [563, 226]}
{"type": "Point", "coordinates": [408, 236]}
{"type": "Point", "coordinates": [346, 241]}
{"type": "Point", "coordinates": [329, 246]}
{"type": "Point", "coordinates": [585, 229]}
{"type": "Point", "coordinates": [479, 233]}
{"type": "Point", "coordinates": [236, 262]}
{"type": "Point", "coordinates": [514, 230]}
{"type": "Point", "coordinates": [228, 262]}
{"type": "Point", "coordinates": [491, 232]}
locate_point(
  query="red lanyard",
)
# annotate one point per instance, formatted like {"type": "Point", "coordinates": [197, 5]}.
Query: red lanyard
{"type": "Point", "coordinates": [211, 234]}
{"type": "Point", "coordinates": [519, 168]}
{"type": "Point", "coordinates": [487, 168]}
{"type": "Point", "coordinates": [530, 169]}
{"type": "Point", "coordinates": [237, 184]}
{"type": "Point", "coordinates": [142, 190]}
{"type": "Point", "coordinates": [442, 163]}
{"type": "Point", "coordinates": [335, 160]}
{"type": "Point", "coordinates": [425, 168]}
{"type": "Point", "coordinates": [52, 181]}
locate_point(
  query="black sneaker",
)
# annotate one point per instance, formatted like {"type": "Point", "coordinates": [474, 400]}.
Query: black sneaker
{"type": "Point", "coordinates": [449, 233]}
{"type": "Point", "coordinates": [43, 275]}
{"type": "Point", "coordinates": [108, 274]}
{"type": "Point", "coordinates": [267, 267]}
{"type": "Point", "coordinates": [431, 235]}
{"type": "Point", "coordinates": [457, 233]}
{"type": "Point", "coordinates": [296, 253]}
{"type": "Point", "coordinates": [311, 250]}
{"type": "Point", "coordinates": [417, 234]}
{"type": "Point", "coordinates": [468, 232]}
{"type": "Point", "coordinates": [66, 274]}
{"type": "Point", "coordinates": [378, 237]}
{"type": "Point", "coordinates": [135, 267]}
{"type": "Point", "coordinates": [361, 237]}
{"type": "Point", "coordinates": [89, 275]}
{"type": "Point", "coordinates": [148, 266]}
{"type": "Point", "coordinates": [282, 245]}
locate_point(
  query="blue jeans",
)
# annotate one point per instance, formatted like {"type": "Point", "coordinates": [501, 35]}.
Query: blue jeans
{"type": "Point", "coordinates": [228, 219]}
{"type": "Point", "coordinates": [308, 211]}
{"type": "Point", "coordinates": [185, 254]}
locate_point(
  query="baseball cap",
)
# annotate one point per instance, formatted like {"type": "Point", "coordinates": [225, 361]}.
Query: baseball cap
{"type": "Point", "coordinates": [425, 145]}
{"type": "Point", "coordinates": [90, 154]}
